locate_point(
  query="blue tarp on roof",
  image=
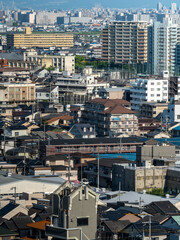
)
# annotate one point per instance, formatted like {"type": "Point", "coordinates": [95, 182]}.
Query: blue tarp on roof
{"type": "Point", "coordinates": [175, 141]}
{"type": "Point", "coordinates": [129, 156]}
{"type": "Point", "coordinates": [176, 128]}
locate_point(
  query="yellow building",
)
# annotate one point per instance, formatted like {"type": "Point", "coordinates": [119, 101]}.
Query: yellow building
{"type": "Point", "coordinates": [29, 40]}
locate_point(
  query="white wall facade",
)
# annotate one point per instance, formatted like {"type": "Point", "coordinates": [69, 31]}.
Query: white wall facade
{"type": "Point", "coordinates": [150, 90]}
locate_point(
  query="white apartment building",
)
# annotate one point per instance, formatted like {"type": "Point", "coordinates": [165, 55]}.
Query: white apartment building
{"type": "Point", "coordinates": [148, 90]}
{"type": "Point", "coordinates": [77, 82]}
{"type": "Point", "coordinates": [172, 114]}
{"type": "Point", "coordinates": [162, 44]}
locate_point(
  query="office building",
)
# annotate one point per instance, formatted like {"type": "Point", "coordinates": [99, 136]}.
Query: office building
{"type": "Point", "coordinates": [125, 42]}
{"type": "Point", "coordinates": [28, 40]}
{"type": "Point", "coordinates": [74, 213]}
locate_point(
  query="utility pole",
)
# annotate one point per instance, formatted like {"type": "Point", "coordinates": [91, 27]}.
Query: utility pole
{"type": "Point", "coordinates": [120, 145]}
{"type": "Point", "coordinates": [166, 122]}
{"type": "Point", "coordinates": [98, 171]}
{"type": "Point", "coordinates": [44, 131]}
{"type": "Point", "coordinates": [38, 149]}
{"type": "Point", "coordinates": [4, 142]}
{"type": "Point", "coordinates": [69, 168]}
{"type": "Point", "coordinates": [24, 161]}
{"type": "Point", "coordinates": [81, 168]}
{"type": "Point", "coordinates": [119, 190]}
{"type": "Point", "coordinates": [149, 227]}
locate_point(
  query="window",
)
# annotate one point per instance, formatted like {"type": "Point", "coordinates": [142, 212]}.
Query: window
{"type": "Point", "coordinates": [58, 149]}
{"type": "Point", "coordinates": [158, 95]}
{"type": "Point", "coordinates": [164, 94]}
{"type": "Point", "coordinates": [158, 89]}
{"type": "Point", "coordinates": [178, 116]}
{"type": "Point", "coordinates": [82, 221]}
{"type": "Point", "coordinates": [152, 95]}
{"type": "Point", "coordinates": [152, 89]}
{"type": "Point", "coordinates": [111, 148]}
{"type": "Point", "coordinates": [158, 83]}
{"type": "Point", "coordinates": [16, 134]}
{"type": "Point", "coordinates": [152, 83]}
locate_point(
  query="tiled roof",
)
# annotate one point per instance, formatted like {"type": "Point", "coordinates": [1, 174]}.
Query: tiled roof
{"type": "Point", "coordinates": [63, 117]}
{"type": "Point", "coordinates": [108, 162]}
{"type": "Point", "coordinates": [4, 232]}
{"type": "Point", "coordinates": [148, 120]}
{"type": "Point", "coordinates": [8, 208]}
{"type": "Point", "coordinates": [39, 225]}
{"type": "Point", "coordinates": [110, 102]}
{"type": "Point", "coordinates": [116, 226]}
{"type": "Point", "coordinates": [118, 109]}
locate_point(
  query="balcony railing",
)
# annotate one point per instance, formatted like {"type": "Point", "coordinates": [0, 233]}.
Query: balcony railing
{"type": "Point", "coordinates": [63, 233]}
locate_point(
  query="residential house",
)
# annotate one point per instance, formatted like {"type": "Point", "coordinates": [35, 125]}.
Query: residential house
{"type": "Point", "coordinates": [83, 130]}
{"type": "Point", "coordinates": [81, 205]}
{"type": "Point", "coordinates": [146, 125]}
{"type": "Point", "coordinates": [59, 160]}
{"type": "Point", "coordinates": [7, 234]}
{"type": "Point", "coordinates": [112, 229]}
{"type": "Point", "coordinates": [11, 210]}
{"type": "Point", "coordinates": [15, 131]}
{"type": "Point", "coordinates": [50, 94]}
{"type": "Point", "coordinates": [37, 229]}
{"type": "Point", "coordinates": [19, 224]}
{"type": "Point", "coordinates": [64, 120]}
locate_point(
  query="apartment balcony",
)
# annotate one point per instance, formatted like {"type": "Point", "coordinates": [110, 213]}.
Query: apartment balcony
{"type": "Point", "coordinates": [63, 233]}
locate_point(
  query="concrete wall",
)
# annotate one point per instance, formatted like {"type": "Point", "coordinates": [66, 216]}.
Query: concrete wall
{"type": "Point", "coordinates": [145, 154]}
{"type": "Point", "coordinates": [84, 205]}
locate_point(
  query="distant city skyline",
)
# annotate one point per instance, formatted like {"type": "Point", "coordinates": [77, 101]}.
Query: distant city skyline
{"type": "Point", "coordinates": [70, 4]}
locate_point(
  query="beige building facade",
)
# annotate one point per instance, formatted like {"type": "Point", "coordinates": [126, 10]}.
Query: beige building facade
{"type": "Point", "coordinates": [62, 62]}
{"type": "Point", "coordinates": [125, 42]}
{"type": "Point", "coordinates": [17, 93]}
{"type": "Point", "coordinates": [152, 109]}
{"type": "Point", "coordinates": [39, 40]}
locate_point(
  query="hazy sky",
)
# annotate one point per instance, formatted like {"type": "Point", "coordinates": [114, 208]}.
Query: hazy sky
{"type": "Point", "coordinates": [69, 4]}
